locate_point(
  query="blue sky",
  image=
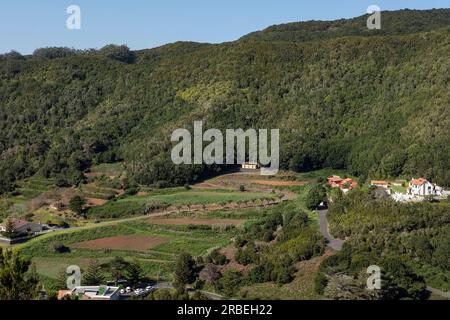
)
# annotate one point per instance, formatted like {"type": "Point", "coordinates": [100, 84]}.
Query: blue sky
{"type": "Point", "coordinates": [29, 24]}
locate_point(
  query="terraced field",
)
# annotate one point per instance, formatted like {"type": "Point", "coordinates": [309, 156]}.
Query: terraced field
{"type": "Point", "coordinates": [130, 240]}
{"type": "Point", "coordinates": [92, 191]}
{"type": "Point", "coordinates": [31, 188]}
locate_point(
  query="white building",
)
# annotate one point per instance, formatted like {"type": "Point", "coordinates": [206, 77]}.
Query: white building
{"type": "Point", "coordinates": [421, 187]}
{"type": "Point", "coordinates": [92, 293]}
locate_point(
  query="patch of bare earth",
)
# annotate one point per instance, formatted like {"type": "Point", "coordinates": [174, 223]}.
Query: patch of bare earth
{"type": "Point", "coordinates": [128, 243]}
{"type": "Point", "coordinates": [230, 253]}
{"type": "Point", "coordinates": [196, 221]}
{"type": "Point", "coordinates": [95, 202]}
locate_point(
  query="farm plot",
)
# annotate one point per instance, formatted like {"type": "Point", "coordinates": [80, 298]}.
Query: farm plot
{"type": "Point", "coordinates": [93, 192]}
{"type": "Point", "coordinates": [31, 188]}
{"type": "Point", "coordinates": [130, 243]}
{"type": "Point", "coordinates": [109, 170]}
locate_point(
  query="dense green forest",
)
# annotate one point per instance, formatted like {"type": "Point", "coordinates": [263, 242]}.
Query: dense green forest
{"type": "Point", "coordinates": [375, 103]}
{"type": "Point", "coordinates": [410, 242]}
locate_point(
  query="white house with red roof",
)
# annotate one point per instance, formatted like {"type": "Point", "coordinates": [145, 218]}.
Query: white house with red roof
{"type": "Point", "coordinates": [421, 187]}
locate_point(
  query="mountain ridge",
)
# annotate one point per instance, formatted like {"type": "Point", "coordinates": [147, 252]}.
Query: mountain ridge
{"type": "Point", "coordinates": [377, 106]}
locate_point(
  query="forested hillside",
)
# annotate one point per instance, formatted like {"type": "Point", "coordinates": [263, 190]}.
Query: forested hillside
{"type": "Point", "coordinates": [377, 104]}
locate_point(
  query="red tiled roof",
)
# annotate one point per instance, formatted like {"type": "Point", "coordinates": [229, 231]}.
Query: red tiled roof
{"type": "Point", "coordinates": [338, 181]}
{"type": "Point", "coordinates": [419, 182]}
{"type": "Point", "coordinates": [335, 179]}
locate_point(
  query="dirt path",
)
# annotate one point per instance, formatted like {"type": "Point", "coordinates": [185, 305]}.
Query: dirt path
{"type": "Point", "coordinates": [439, 292]}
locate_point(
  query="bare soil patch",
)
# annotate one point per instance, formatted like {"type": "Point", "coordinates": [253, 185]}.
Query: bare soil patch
{"type": "Point", "coordinates": [95, 202]}
{"type": "Point", "coordinates": [129, 243]}
{"type": "Point", "coordinates": [230, 253]}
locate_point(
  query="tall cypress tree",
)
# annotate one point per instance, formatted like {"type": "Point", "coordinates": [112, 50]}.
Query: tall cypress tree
{"type": "Point", "coordinates": [133, 273]}
{"type": "Point", "coordinates": [94, 275]}
{"type": "Point", "coordinates": [185, 272]}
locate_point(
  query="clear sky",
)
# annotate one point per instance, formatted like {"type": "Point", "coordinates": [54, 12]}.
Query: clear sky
{"type": "Point", "coordinates": [29, 24]}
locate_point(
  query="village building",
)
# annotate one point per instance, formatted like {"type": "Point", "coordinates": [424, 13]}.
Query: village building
{"type": "Point", "coordinates": [345, 184]}
{"type": "Point", "coordinates": [99, 293]}
{"type": "Point", "coordinates": [421, 187]}
{"type": "Point", "coordinates": [23, 226]}
{"type": "Point", "coordinates": [379, 183]}
{"type": "Point", "coordinates": [335, 181]}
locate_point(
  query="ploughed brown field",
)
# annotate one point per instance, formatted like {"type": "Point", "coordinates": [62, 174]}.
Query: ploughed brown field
{"type": "Point", "coordinates": [196, 221]}
{"type": "Point", "coordinates": [130, 243]}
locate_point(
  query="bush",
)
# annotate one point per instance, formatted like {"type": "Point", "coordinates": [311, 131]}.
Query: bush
{"type": "Point", "coordinates": [217, 258]}
{"type": "Point", "coordinates": [247, 256]}
{"type": "Point", "coordinates": [320, 283]}
{"type": "Point", "coordinates": [131, 191]}
{"type": "Point", "coordinates": [230, 283]}
{"type": "Point", "coordinates": [316, 195]}
{"type": "Point", "coordinates": [58, 247]}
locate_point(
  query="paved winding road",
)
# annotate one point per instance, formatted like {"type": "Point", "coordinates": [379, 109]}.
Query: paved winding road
{"type": "Point", "coordinates": [333, 243]}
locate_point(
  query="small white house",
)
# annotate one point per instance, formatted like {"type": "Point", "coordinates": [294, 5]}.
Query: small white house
{"type": "Point", "coordinates": [421, 187]}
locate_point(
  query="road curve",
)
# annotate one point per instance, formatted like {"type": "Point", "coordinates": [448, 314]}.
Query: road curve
{"type": "Point", "coordinates": [333, 243]}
